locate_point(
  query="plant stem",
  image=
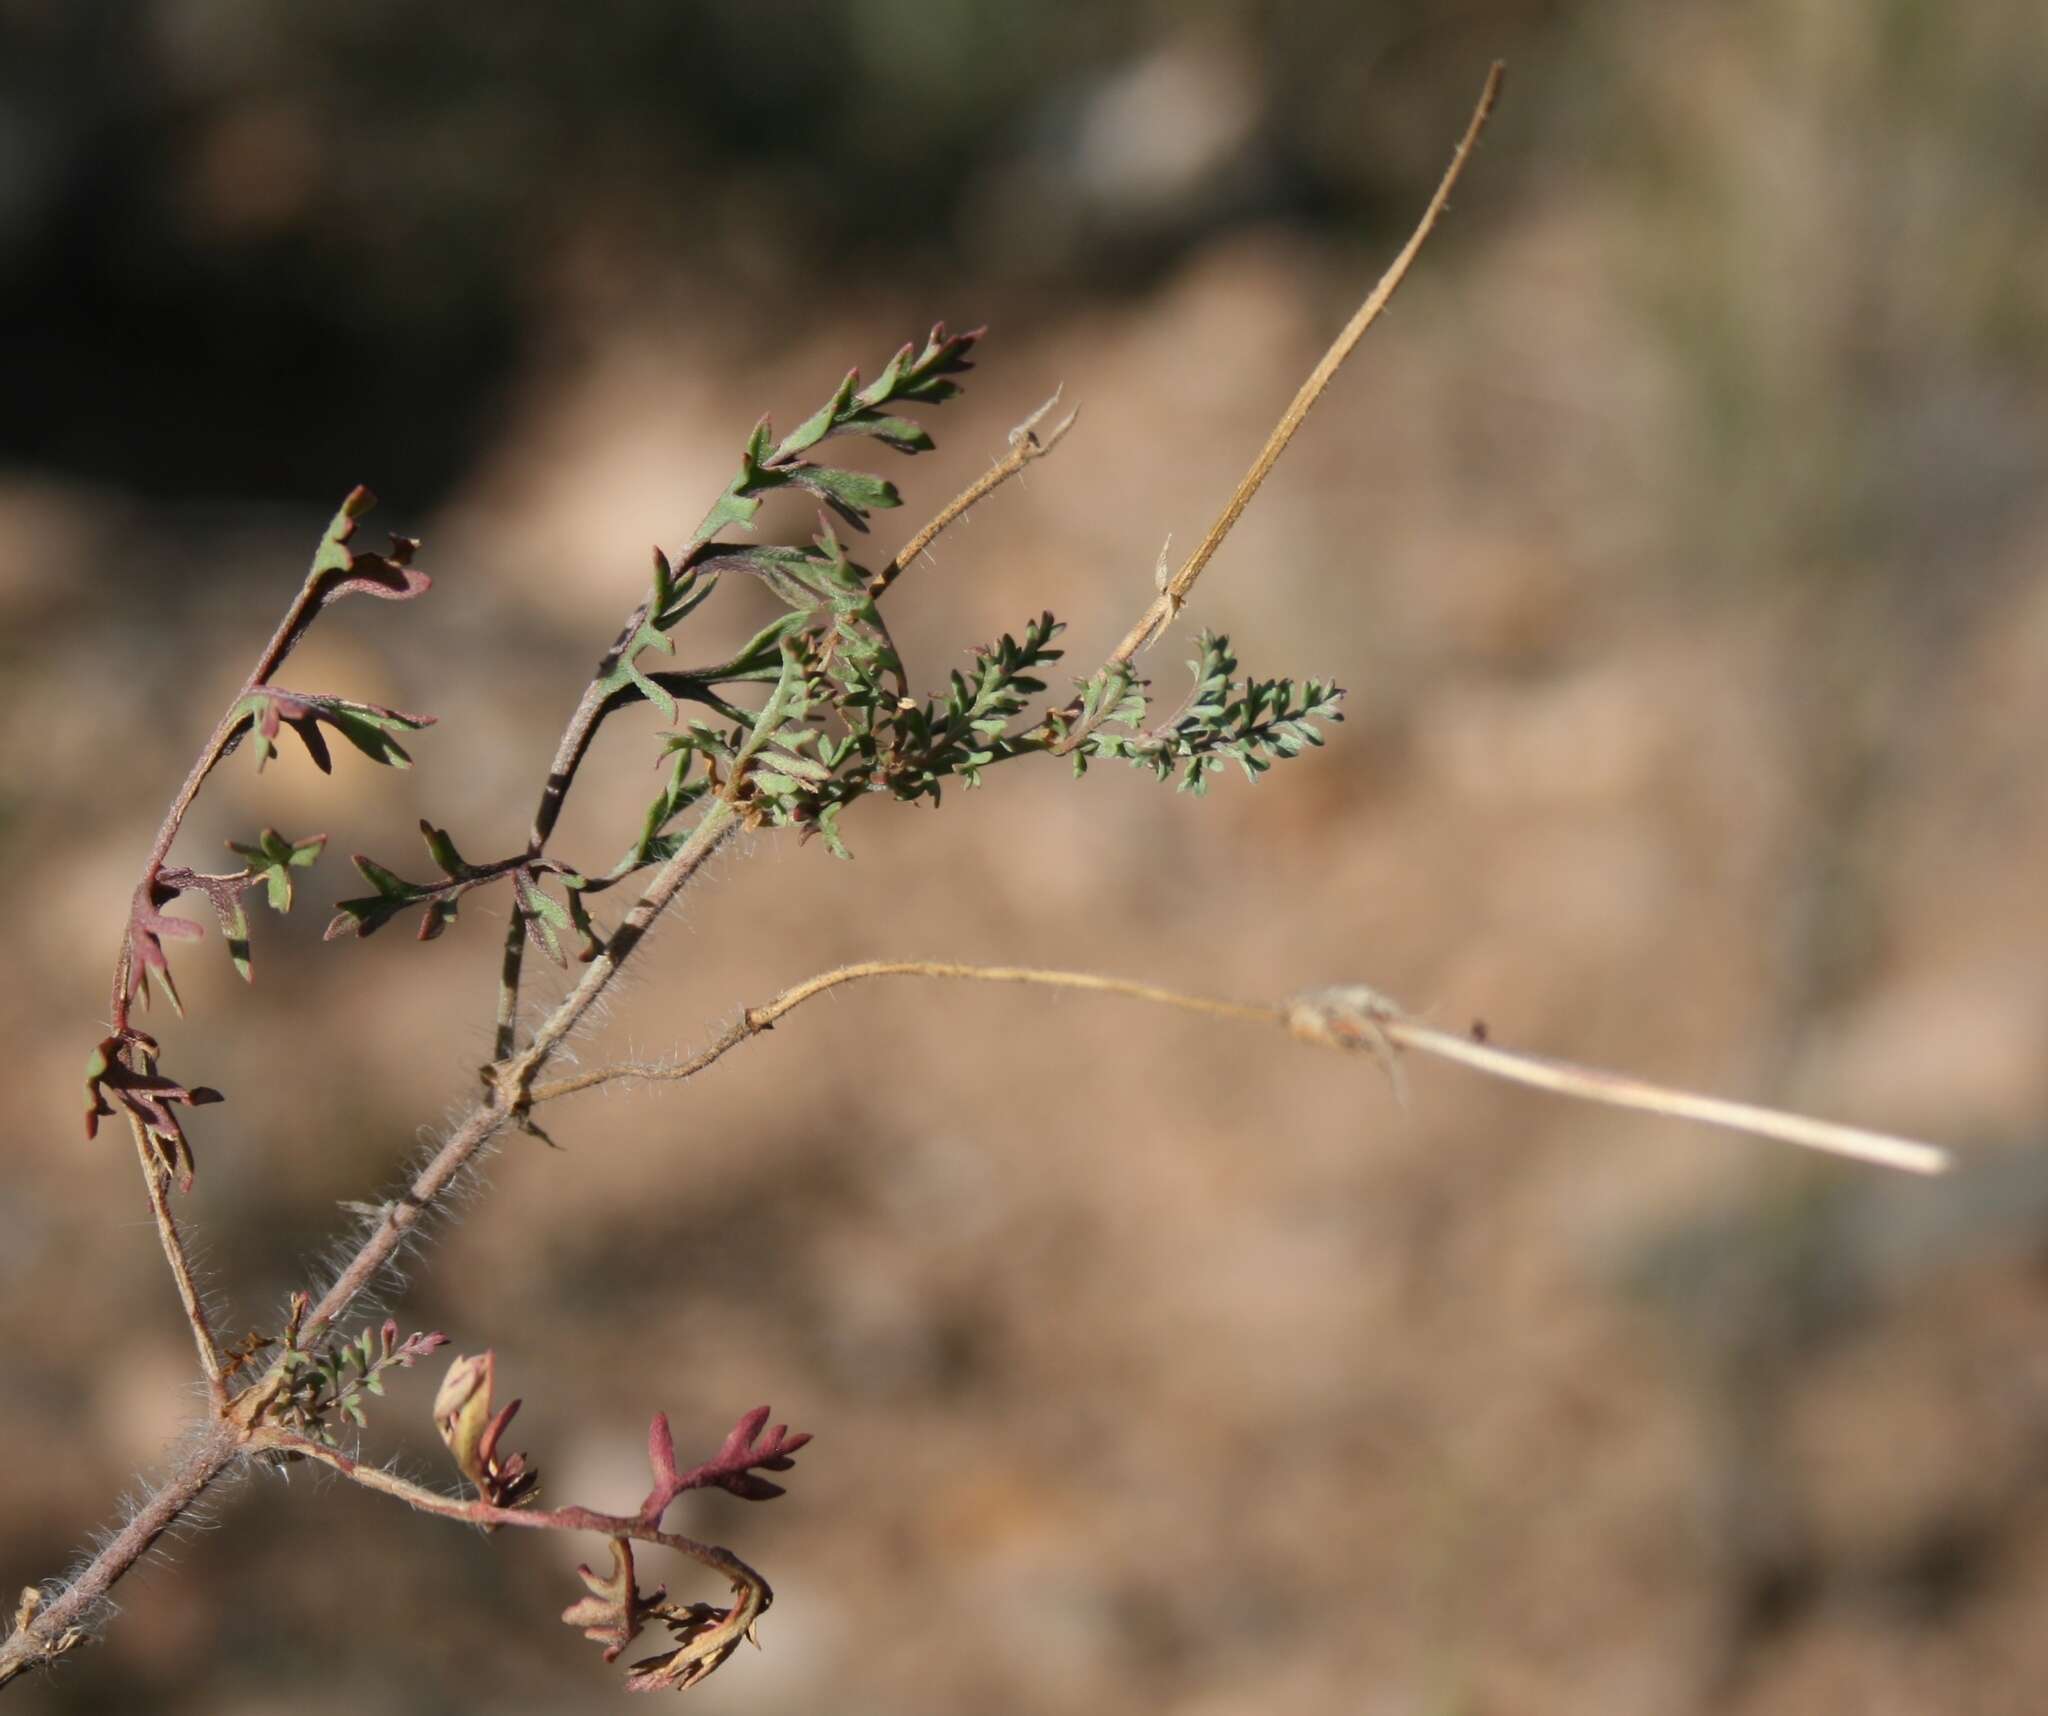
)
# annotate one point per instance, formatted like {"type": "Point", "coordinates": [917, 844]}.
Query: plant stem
{"type": "Point", "coordinates": [1353, 1017]}
{"type": "Point", "coordinates": [1025, 447]}
{"type": "Point", "coordinates": [510, 1079]}
{"type": "Point", "coordinates": [281, 644]}
{"type": "Point", "coordinates": [569, 754]}
{"type": "Point", "coordinates": [1619, 1090]}
{"type": "Point", "coordinates": [1173, 593]}
{"type": "Point", "coordinates": [156, 1180]}
{"type": "Point", "coordinates": [755, 1020]}
{"type": "Point", "coordinates": [282, 641]}
{"type": "Point", "coordinates": [418, 1496]}
{"type": "Point", "coordinates": [55, 1627]}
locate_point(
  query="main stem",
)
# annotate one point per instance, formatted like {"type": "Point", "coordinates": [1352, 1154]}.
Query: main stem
{"type": "Point", "coordinates": [511, 1079]}
{"type": "Point", "coordinates": [57, 1626]}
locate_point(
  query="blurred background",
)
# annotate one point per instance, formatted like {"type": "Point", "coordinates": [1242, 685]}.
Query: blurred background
{"type": "Point", "coordinates": [1683, 540]}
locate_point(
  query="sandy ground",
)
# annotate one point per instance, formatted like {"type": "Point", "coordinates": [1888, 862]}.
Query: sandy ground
{"type": "Point", "coordinates": [1697, 669]}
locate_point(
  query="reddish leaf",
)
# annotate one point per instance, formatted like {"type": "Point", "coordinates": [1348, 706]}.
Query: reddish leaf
{"type": "Point", "coordinates": [615, 1611]}
{"type": "Point", "coordinates": [733, 1468]}
{"type": "Point", "coordinates": [339, 571]}
{"type": "Point", "coordinates": [111, 1080]}
{"type": "Point", "coordinates": [147, 928]}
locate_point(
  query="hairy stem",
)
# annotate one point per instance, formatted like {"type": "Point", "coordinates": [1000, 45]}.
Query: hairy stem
{"type": "Point", "coordinates": [46, 1631]}
{"type": "Point", "coordinates": [511, 1079]}
{"type": "Point", "coordinates": [156, 1180]}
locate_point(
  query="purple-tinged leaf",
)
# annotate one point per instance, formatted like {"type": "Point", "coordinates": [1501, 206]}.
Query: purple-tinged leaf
{"type": "Point", "coordinates": [146, 1094]}
{"type": "Point", "coordinates": [733, 1468]}
{"type": "Point", "coordinates": [367, 726]}
{"type": "Point", "coordinates": [615, 1611]}
{"type": "Point", "coordinates": [923, 376]}
{"type": "Point", "coordinates": [442, 849]}
{"type": "Point", "coordinates": [147, 928]}
{"type": "Point", "coordinates": [271, 862]}
{"type": "Point", "coordinates": [542, 914]}
{"type": "Point", "coordinates": [339, 571]}
{"type": "Point", "coordinates": [369, 913]}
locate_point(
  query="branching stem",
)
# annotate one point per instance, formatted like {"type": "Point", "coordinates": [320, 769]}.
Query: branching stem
{"type": "Point", "coordinates": [1025, 446]}
{"type": "Point", "coordinates": [45, 1631]}
{"type": "Point", "coordinates": [282, 641]}
{"type": "Point", "coordinates": [510, 1081]}
{"type": "Point", "coordinates": [155, 1177]}
{"type": "Point", "coordinates": [1353, 1017]}
{"type": "Point", "coordinates": [1349, 1018]}
{"type": "Point", "coordinates": [483, 1513]}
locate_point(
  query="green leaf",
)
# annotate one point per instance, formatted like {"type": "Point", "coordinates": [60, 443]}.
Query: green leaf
{"type": "Point", "coordinates": [272, 859]}
{"type": "Point", "coordinates": [234, 929]}
{"type": "Point", "coordinates": [338, 570]}
{"type": "Point", "coordinates": [822, 421]}
{"type": "Point", "coordinates": [1253, 722]}
{"type": "Point", "coordinates": [897, 432]}
{"type": "Point", "coordinates": [542, 915]}
{"type": "Point", "coordinates": [332, 555]}
{"type": "Point", "coordinates": [579, 915]}
{"type": "Point", "coordinates": [365, 915]}
{"type": "Point", "coordinates": [626, 675]}
{"type": "Point", "coordinates": [739, 503]}
{"type": "Point", "coordinates": [851, 494]}
{"type": "Point", "coordinates": [442, 850]}
{"type": "Point", "coordinates": [367, 726]}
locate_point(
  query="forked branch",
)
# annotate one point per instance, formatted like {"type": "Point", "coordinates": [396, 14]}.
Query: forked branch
{"type": "Point", "coordinates": [1026, 445]}
{"type": "Point", "coordinates": [835, 726]}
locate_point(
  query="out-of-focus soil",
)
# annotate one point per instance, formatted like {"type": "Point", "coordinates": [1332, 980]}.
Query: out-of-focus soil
{"type": "Point", "coordinates": [1697, 669]}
